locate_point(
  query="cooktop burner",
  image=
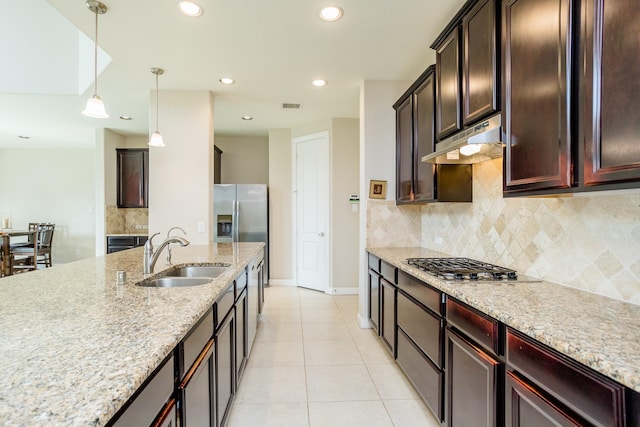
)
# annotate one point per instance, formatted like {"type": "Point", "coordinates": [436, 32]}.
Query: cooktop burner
{"type": "Point", "coordinates": [458, 269]}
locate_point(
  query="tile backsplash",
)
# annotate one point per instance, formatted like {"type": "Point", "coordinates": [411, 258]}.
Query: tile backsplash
{"type": "Point", "coordinates": [124, 221]}
{"type": "Point", "coordinates": [589, 241]}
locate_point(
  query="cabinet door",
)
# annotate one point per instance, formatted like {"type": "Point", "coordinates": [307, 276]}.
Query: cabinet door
{"type": "Point", "coordinates": [225, 373]}
{"type": "Point", "coordinates": [448, 86]}
{"type": "Point", "coordinates": [133, 178]}
{"type": "Point", "coordinates": [535, 62]}
{"type": "Point", "coordinates": [424, 139]}
{"type": "Point", "coordinates": [404, 151]}
{"type": "Point", "coordinates": [388, 314]}
{"type": "Point", "coordinates": [241, 335]}
{"type": "Point", "coordinates": [472, 384]}
{"type": "Point", "coordinates": [374, 299]}
{"type": "Point", "coordinates": [480, 84]}
{"type": "Point", "coordinates": [610, 89]}
{"type": "Point", "coordinates": [197, 392]}
{"type": "Point", "coordinates": [526, 407]}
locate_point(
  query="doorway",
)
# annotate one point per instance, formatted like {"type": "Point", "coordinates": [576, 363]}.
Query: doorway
{"type": "Point", "coordinates": [311, 189]}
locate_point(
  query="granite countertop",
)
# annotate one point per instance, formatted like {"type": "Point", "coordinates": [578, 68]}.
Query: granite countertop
{"type": "Point", "coordinates": [597, 331]}
{"type": "Point", "coordinates": [75, 346]}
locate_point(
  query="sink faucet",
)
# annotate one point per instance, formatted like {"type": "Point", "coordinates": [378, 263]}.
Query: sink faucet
{"type": "Point", "coordinates": [169, 246]}
{"type": "Point", "coordinates": [151, 256]}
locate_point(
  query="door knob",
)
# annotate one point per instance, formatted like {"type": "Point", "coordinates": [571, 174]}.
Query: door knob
{"type": "Point", "coordinates": [321, 234]}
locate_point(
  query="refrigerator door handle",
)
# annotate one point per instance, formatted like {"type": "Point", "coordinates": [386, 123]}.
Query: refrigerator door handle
{"type": "Point", "coordinates": [236, 220]}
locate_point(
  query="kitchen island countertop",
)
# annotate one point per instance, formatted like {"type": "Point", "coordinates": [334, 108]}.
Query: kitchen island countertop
{"type": "Point", "coordinates": [75, 346]}
{"type": "Point", "coordinates": [599, 332]}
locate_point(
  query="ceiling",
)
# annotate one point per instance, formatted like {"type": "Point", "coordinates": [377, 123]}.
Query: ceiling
{"type": "Point", "coordinates": [272, 48]}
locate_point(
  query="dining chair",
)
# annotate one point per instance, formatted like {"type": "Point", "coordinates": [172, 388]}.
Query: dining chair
{"type": "Point", "coordinates": [38, 252]}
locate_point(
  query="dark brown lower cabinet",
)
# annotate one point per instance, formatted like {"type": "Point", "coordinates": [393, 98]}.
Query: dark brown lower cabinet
{"type": "Point", "coordinates": [374, 299]}
{"type": "Point", "coordinates": [527, 407]}
{"type": "Point", "coordinates": [474, 380]}
{"type": "Point", "coordinates": [388, 315]}
{"type": "Point", "coordinates": [242, 348]}
{"type": "Point", "coordinates": [197, 391]}
{"type": "Point", "coordinates": [426, 377]}
{"type": "Point", "coordinates": [225, 370]}
{"type": "Point", "coordinates": [167, 417]}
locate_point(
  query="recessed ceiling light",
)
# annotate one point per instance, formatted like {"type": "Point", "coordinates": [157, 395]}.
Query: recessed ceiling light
{"type": "Point", "coordinates": [24, 137]}
{"type": "Point", "coordinates": [125, 117]}
{"type": "Point", "coordinates": [319, 82]}
{"type": "Point", "coordinates": [331, 13]}
{"type": "Point", "coordinates": [247, 118]}
{"type": "Point", "coordinates": [190, 8]}
{"type": "Point", "coordinates": [227, 80]}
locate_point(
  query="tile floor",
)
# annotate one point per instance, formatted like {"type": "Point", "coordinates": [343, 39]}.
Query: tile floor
{"type": "Point", "coordinates": [311, 365]}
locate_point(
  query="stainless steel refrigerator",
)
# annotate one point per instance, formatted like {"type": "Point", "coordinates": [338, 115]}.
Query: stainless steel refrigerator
{"type": "Point", "coordinates": [241, 214]}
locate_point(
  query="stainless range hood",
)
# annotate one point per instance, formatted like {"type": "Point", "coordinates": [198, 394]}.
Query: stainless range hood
{"type": "Point", "coordinates": [473, 145]}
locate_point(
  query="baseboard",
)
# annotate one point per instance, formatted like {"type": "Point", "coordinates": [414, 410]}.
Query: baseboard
{"type": "Point", "coordinates": [364, 322]}
{"type": "Point", "coordinates": [281, 282]}
{"type": "Point", "coordinates": [343, 291]}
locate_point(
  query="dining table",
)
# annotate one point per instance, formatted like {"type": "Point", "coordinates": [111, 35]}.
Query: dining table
{"type": "Point", "coordinates": [7, 235]}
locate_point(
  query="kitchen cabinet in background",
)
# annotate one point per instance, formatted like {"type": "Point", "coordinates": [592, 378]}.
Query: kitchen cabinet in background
{"type": "Point", "coordinates": [374, 292]}
{"type": "Point", "coordinates": [416, 181]}
{"type": "Point", "coordinates": [121, 243]}
{"type": "Point", "coordinates": [388, 294]}
{"type": "Point", "coordinates": [448, 120]}
{"type": "Point", "coordinates": [132, 177]}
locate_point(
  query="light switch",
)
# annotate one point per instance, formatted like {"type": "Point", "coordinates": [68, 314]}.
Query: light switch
{"type": "Point", "coordinates": [200, 226]}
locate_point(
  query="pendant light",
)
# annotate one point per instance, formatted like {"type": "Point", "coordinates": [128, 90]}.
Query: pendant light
{"type": "Point", "coordinates": [156, 138]}
{"type": "Point", "coordinates": [95, 106]}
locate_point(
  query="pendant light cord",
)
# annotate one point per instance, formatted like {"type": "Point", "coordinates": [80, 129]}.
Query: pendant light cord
{"type": "Point", "coordinates": [95, 59]}
{"type": "Point", "coordinates": [157, 102]}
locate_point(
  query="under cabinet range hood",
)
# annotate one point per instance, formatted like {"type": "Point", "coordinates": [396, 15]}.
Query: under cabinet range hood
{"type": "Point", "coordinates": [475, 144]}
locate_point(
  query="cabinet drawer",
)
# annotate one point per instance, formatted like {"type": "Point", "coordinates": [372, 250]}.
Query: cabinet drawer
{"type": "Point", "coordinates": [389, 272]}
{"type": "Point", "coordinates": [374, 263]}
{"type": "Point", "coordinates": [478, 326]}
{"type": "Point", "coordinates": [222, 306]}
{"type": "Point", "coordinates": [423, 293]}
{"type": "Point", "coordinates": [426, 378]}
{"type": "Point", "coordinates": [596, 398]}
{"type": "Point", "coordinates": [150, 399]}
{"type": "Point", "coordinates": [425, 329]}
{"type": "Point", "coordinates": [196, 340]}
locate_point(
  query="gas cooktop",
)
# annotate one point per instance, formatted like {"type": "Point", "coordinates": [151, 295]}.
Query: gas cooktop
{"type": "Point", "coordinates": [464, 269]}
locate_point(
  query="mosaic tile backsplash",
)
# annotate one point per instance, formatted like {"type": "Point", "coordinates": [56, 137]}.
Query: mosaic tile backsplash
{"type": "Point", "coordinates": [124, 221]}
{"type": "Point", "coordinates": [589, 241]}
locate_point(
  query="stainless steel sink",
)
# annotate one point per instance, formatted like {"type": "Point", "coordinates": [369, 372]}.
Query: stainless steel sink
{"type": "Point", "coordinates": [196, 271]}
{"type": "Point", "coordinates": [175, 282]}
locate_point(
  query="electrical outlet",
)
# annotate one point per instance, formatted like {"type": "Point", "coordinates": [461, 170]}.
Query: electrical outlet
{"type": "Point", "coordinates": [200, 226]}
{"type": "Point", "coordinates": [138, 226]}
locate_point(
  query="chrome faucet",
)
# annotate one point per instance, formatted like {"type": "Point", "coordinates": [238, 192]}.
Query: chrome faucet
{"type": "Point", "coordinates": [151, 256]}
{"type": "Point", "coordinates": [169, 246]}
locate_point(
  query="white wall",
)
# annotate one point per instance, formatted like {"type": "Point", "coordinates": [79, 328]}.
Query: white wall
{"type": "Point", "coordinates": [181, 174]}
{"type": "Point", "coordinates": [57, 186]}
{"type": "Point", "coordinates": [377, 158]}
{"type": "Point", "coordinates": [280, 208]}
{"type": "Point", "coordinates": [245, 159]}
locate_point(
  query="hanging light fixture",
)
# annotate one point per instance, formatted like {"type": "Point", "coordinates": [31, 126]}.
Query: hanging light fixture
{"type": "Point", "coordinates": [156, 137]}
{"type": "Point", "coordinates": [95, 106]}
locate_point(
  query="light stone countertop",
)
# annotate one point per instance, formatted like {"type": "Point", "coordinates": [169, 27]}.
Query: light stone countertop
{"type": "Point", "coordinates": [74, 346]}
{"type": "Point", "coordinates": [599, 332]}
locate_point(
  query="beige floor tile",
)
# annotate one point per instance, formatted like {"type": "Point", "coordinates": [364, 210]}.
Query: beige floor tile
{"type": "Point", "coordinates": [269, 415]}
{"type": "Point", "coordinates": [280, 316]}
{"type": "Point", "coordinates": [392, 383]}
{"type": "Point", "coordinates": [374, 352]}
{"type": "Point", "coordinates": [339, 383]}
{"type": "Point", "coordinates": [359, 333]}
{"type": "Point", "coordinates": [318, 303]}
{"type": "Point", "coordinates": [320, 315]}
{"type": "Point", "coordinates": [342, 352]}
{"type": "Point", "coordinates": [277, 353]}
{"type": "Point", "coordinates": [279, 332]}
{"type": "Point", "coordinates": [410, 413]}
{"type": "Point", "coordinates": [275, 384]}
{"type": "Point", "coordinates": [325, 331]}
{"type": "Point", "coordinates": [349, 414]}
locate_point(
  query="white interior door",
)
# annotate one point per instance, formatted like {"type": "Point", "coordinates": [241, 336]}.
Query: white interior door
{"type": "Point", "coordinates": [312, 211]}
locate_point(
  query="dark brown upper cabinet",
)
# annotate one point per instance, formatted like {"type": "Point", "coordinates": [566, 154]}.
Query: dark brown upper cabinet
{"type": "Point", "coordinates": [133, 178]}
{"type": "Point", "coordinates": [448, 119]}
{"type": "Point", "coordinates": [610, 90]}
{"type": "Point", "coordinates": [414, 139]}
{"type": "Point", "coordinates": [480, 69]}
{"type": "Point", "coordinates": [536, 58]}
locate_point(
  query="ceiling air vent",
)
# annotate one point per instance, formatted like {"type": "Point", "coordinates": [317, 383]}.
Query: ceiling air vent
{"type": "Point", "coordinates": [291, 106]}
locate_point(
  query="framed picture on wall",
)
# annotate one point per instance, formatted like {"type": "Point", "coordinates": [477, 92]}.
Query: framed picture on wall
{"type": "Point", "coordinates": [377, 189]}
